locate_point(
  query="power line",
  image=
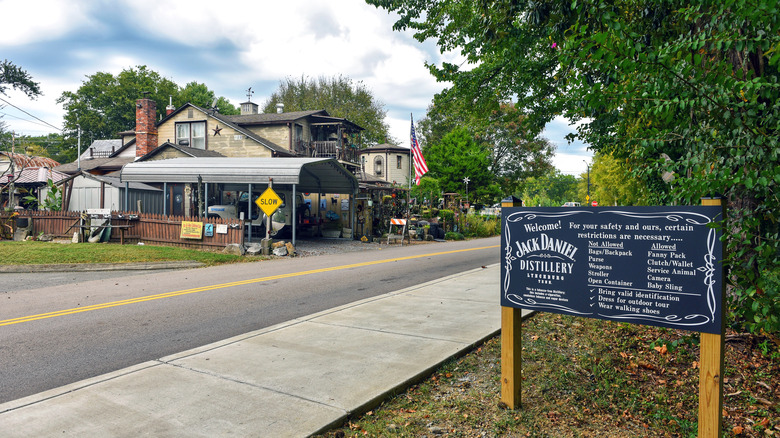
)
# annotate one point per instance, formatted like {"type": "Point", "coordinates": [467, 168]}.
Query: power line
{"type": "Point", "coordinates": [36, 118]}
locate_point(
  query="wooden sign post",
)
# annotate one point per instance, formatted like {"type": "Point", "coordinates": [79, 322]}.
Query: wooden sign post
{"type": "Point", "coordinates": [711, 367]}
{"type": "Point", "coordinates": [659, 266]}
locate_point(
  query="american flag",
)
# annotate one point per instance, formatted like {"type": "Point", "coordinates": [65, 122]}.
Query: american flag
{"type": "Point", "coordinates": [420, 168]}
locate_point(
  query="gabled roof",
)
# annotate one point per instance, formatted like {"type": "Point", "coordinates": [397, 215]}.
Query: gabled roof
{"type": "Point", "coordinates": [102, 149]}
{"type": "Point", "coordinates": [192, 152]}
{"type": "Point", "coordinates": [94, 163]}
{"type": "Point", "coordinates": [34, 176]}
{"type": "Point", "coordinates": [227, 121]}
{"type": "Point", "coordinates": [273, 118]}
{"type": "Point", "coordinates": [22, 160]}
{"type": "Point", "coordinates": [384, 147]}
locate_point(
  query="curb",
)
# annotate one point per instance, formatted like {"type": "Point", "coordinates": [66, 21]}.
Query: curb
{"type": "Point", "coordinates": [84, 267]}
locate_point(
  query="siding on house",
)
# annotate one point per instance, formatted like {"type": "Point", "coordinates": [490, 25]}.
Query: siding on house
{"type": "Point", "coordinates": [228, 142]}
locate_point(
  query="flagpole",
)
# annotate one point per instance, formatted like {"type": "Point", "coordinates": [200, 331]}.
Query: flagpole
{"type": "Point", "coordinates": [409, 192]}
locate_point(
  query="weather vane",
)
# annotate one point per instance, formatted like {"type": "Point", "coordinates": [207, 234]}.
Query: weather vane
{"type": "Point", "coordinates": [249, 94]}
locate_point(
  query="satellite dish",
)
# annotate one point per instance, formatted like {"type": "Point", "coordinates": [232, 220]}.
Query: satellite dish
{"type": "Point", "coordinates": [214, 103]}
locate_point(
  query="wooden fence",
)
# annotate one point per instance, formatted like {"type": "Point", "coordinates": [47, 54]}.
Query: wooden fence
{"type": "Point", "coordinates": [149, 228]}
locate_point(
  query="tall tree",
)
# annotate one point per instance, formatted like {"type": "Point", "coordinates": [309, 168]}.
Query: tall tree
{"type": "Point", "coordinates": [516, 153]}
{"type": "Point", "coordinates": [611, 183]}
{"type": "Point", "coordinates": [692, 80]}
{"type": "Point", "coordinates": [104, 105]}
{"type": "Point", "coordinates": [18, 79]}
{"type": "Point", "coordinates": [458, 156]}
{"type": "Point", "coordinates": [341, 97]}
{"type": "Point", "coordinates": [199, 94]}
{"type": "Point", "coordinates": [550, 190]}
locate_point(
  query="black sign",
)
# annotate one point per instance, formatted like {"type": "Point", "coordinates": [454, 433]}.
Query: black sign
{"type": "Point", "coordinates": [659, 266]}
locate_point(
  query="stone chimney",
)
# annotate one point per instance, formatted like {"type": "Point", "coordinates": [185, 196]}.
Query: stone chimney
{"type": "Point", "coordinates": [145, 126]}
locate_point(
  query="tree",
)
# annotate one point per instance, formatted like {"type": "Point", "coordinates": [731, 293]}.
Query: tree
{"type": "Point", "coordinates": [550, 190]}
{"type": "Point", "coordinates": [695, 81]}
{"type": "Point", "coordinates": [338, 95]}
{"type": "Point", "coordinates": [18, 79]}
{"type": "Point", "coordinates": [199, 94]}
{"type": "Point", "coordinates": [515, 155]}
{"type": "Point", "coordinates": [104, 105]}
{"type": "Point", "coordinates": [611, 183]}
{"type": "Point", "coordinates": [458, 156]}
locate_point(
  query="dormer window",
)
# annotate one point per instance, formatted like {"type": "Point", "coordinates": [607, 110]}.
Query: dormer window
{"type": "Point", "coordinates": [192, 134]}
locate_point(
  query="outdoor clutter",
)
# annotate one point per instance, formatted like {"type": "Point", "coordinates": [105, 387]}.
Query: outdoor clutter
{"type": "Point", "coordinates": [279, 249]}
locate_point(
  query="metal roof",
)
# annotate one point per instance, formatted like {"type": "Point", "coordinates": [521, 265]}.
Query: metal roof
{"type": "Point", "coordinates": [309, 174]}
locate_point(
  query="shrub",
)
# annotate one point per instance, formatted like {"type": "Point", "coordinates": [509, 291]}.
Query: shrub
{"type": "Point", "coordinates": [452, 235]}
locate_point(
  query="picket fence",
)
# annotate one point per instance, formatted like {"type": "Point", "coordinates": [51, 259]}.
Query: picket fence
{"type": "Point", "coordinates": [154, 229]}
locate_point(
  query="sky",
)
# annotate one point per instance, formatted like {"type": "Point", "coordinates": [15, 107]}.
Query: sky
{"type": "Point", "coordinates": [229, 46]}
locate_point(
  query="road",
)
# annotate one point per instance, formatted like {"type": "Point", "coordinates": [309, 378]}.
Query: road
{"type": "Point", "coordinates": [60, 334]}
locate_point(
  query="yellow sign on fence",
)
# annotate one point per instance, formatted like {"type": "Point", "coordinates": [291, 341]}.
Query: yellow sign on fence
{"type": "Point", "coordinates": [191, 230]}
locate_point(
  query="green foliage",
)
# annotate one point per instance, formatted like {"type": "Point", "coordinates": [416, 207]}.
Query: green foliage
{"type": "Point", "coordinates": [453, 235]}
{"type": "Point", "coordinates": [427, 193]}
{"type": "Point", "coordinates": [515, 153]}
{"type": "Point", "coordinates": [104, 104]}
{"type": "Point", "coordinates": [480, 226]}
{"type": "Point", "coordinates": [611, 183]}
{"type": "Point", "coordinates": [457, 156]}
{"type": "Point", "coordinates": [18, 79]}
{"type": "Point", "coordinates": [760, 305]}
{"type": "Point", "coordinates": [338, 95]}
{"type": "Point", "coordinates": [52, 201]}
{"type": "Point", "coordinates": [550, 190]}
{"type": "Point", "coordinates": [199, 94]}
{"type": "Point", "coordinates": [694, 81]}
{"type": "Point", "coordinates": [448, 216]}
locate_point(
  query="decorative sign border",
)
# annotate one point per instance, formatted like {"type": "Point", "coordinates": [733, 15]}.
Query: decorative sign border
{"type": "Point", "coordinates": [644, 265]}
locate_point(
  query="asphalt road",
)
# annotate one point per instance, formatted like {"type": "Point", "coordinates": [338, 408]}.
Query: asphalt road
{"type": "Point", "coordinates": [64, 333]}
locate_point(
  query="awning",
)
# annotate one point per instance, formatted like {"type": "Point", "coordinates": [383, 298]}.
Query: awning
{"type": "Point", "coordinates": [308, 174]}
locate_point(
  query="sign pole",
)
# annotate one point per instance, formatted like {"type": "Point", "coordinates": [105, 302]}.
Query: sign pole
{"type": "Point", "coordinates": [268, 216]}
{"type": "Point", "coordinates": [511, 345]}
{"type": "Point", "coordinates": [511, 358]}
{"type": "Point", "coordinates": [711, 367]}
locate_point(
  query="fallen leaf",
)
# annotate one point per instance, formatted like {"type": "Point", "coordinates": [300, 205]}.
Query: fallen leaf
{"type": "Point", "coordinates": [737, 430]}
{"type": "Point", "coordinates": [662, 349]}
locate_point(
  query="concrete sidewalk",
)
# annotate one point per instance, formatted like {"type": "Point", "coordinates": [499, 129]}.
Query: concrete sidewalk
{"type": "Point", "coordinates": [294, 379]}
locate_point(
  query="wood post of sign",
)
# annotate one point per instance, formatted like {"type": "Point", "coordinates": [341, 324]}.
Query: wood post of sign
{"type": "Point", "coordinates": [711, 366]}
{"type": "Point", "coordinates": [511, 342]}
{"type": "Point", "coordinates": [511, 358]}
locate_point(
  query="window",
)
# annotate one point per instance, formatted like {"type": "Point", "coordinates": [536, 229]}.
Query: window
{"type": "Point", "coordinates": [191, 134]}
{"type": "Point", "coordinates": [378, 166]}
{"type": "Point", "coordinates": [398, 161]}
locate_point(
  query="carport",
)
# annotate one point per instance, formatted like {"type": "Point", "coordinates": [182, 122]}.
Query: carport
{"type": "Point", "coordinates": [320, 175]}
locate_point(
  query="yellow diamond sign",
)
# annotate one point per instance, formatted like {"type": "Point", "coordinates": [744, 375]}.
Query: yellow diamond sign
{"type": "Point", "coordinates": [269, 201]}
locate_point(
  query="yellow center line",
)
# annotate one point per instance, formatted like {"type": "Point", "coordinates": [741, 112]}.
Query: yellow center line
{"type": "Point", "coordinates": [222, 286]}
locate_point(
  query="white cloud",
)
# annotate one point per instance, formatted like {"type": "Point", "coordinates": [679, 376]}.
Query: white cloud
{"type": "Point", "coordinates": [47, 20]}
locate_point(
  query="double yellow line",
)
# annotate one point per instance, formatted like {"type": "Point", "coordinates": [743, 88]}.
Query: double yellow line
{"type": "Point", "coordinates": [220, 286]}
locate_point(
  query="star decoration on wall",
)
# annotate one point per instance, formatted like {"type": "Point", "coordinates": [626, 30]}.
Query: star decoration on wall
{"type": "Point", "coordinates": [217, 131]}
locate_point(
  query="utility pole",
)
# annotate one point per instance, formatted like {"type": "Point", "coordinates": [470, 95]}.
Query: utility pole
{"type": "Point", "coordinates": [588, 165]}
{"type": "Point", "coordinates": [11, 196]}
